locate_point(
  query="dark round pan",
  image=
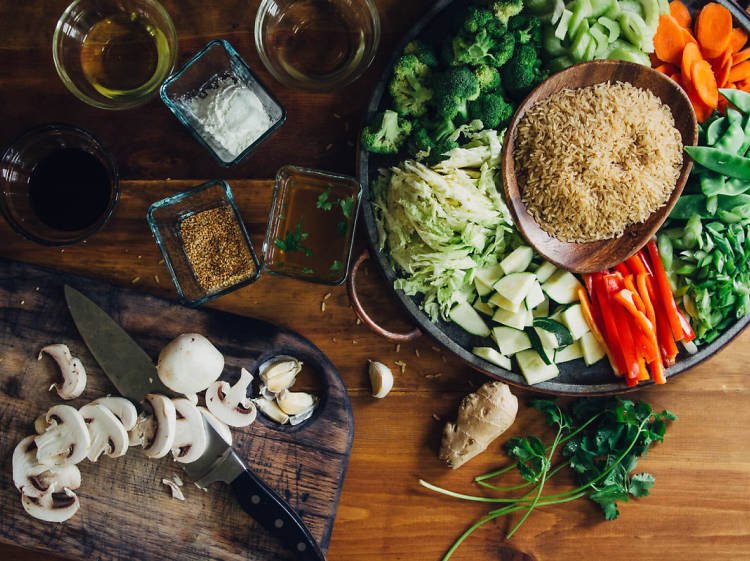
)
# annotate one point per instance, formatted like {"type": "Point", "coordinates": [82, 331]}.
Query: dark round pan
{"type": "Point", "coordinates": [575, 377]}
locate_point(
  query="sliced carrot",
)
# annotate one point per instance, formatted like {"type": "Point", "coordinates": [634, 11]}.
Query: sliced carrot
{"type": "Point", "coordinates": [737, 40]}
{"type": "Point", "coordinates": [722, 74]}
{"type": "Point", "coordinates": [689, 38]}
{"type": "Point", "coordinates": [714, 29]}
{"type": "Point", "coordinates": [740, 72]}
{"type": "Point", "coordinates": [690, 55]}
{"type": "Point", "coordinates": [680, 12]}
{"type": "Point", "coordinates": [677, 78]}
{"type": "Point", "coordinates": [667, 69]}
{"type": "Point", "coordinates": [704, 82]}
{"type": "Point", "coordinates": [702, 111]}
{"type": "Point", "coordinates": [669, 40]}
{"type": "Point", "coordinates": [741, 57]}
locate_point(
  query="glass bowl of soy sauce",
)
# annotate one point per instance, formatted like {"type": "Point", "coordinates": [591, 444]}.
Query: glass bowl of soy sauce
{"type": "Point", "coordinates": [58, 185]}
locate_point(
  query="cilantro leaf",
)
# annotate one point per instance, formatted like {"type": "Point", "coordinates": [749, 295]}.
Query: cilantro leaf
{"type": "Point", "coordinates": [640, 483]}
{"type": "Point", "coordinates": [342, 228]}
{"type": "Point", "coordinates": [292, 240]}
{"type": "Point", "coordinates": [281, 244]}
{"type": "Point", "coordinates": [323, 202]}
{"type": "Point", "coordinates": [346, 206]}
{"type": "Point", "coordinates": [337, 266]}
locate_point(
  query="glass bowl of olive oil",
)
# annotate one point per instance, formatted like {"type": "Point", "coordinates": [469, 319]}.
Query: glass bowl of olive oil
{"type": "Point", "coordinates": [114, 54]}
{"type": "Point", "coordinates": [317, 45]}
{"type": "Point", "coordinates": [311, 225]}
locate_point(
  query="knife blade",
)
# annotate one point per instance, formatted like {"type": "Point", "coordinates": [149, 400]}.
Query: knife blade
{"type": "Point", "coordinates": [133, 373]}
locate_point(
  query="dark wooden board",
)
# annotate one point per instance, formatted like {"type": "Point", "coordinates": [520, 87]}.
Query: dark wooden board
{"type": "Point", "coordinates": [126, 513]}
{"type": "Point", "coordinates": [575, 377]}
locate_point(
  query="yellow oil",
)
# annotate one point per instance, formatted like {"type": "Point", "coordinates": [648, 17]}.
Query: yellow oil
{"type": "Point", "coordinates": [124, 55]}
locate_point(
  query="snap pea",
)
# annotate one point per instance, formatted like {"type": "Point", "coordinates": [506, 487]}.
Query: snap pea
{"type": "Point", "coordinates": [719, 161]}
{"type": "Point", "coordinates": [732, 140]}
{"type": "Point", "coordinates": [738, 98]}
{"type": "Point", "coordinates": [715, 130]}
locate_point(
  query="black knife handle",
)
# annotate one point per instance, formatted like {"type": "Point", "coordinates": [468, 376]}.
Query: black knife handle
{"type": "Point", "coordinates": [276, 516]}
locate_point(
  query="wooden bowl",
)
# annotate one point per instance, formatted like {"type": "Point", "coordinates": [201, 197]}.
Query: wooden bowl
{"type": "Point", "coordinates": [598, 255]}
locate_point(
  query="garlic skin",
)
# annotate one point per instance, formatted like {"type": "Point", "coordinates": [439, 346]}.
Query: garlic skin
{"type": "Point", "coordinates": [381, 379]}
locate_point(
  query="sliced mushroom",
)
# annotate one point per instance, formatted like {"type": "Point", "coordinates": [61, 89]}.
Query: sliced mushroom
{"type": "Point", "coordinates": [122, 408]}
{"type": "Point", "coordinates": [71, 370]}
{"type": "Point", "coordinates": [53, 507]}
{"type": "Point", "coordinates": [189, 363]}
{"type": "Point", "coordinates": [219, 427]}
{"type": "Point", "coordinates": [230, 404]}
{"type": "Point", "coordinates": [269, 408]}
{"type": "Point", "coordinates": [279, 373]}
{"type": "Point", "coordinates": [108, 436]}
{"type": "Point", "coordinates": [174, 488]}
{"type": "Point", "coordinates": [66, 440]}
{"type": "Point", "coordinates": [158, 441]}
{"type": "Point", "coordinates": [41, 423]}
{"type": "Point", "coordinates": [143, 431]}
{"type": "Point", "coordinates": [295, 403]}
{"type": "Point", "coordinates": [190, 436]}
{"type": "Point", "coordinates": [34, 479]}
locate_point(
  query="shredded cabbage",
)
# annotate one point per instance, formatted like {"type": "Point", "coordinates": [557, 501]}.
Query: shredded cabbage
{"type": "Point", "coordinates": [440, 224]}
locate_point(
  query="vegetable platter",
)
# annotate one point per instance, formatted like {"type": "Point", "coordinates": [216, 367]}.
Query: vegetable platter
{"type": "Point", "coordinates": [478, 343]}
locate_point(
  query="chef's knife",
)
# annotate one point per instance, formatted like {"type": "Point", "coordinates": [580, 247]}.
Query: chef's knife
{"type": "Point", "coordinates": [133, 373]}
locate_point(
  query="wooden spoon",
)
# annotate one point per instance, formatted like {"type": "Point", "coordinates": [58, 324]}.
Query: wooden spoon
{"type": "Point", "coordinates": [596, 256]}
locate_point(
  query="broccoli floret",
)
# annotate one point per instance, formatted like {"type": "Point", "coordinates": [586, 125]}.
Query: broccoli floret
{"type": "Point", "coordinates": [522, 72]}
{"type": "Point", "coordinates": [457, 82]}
{"type": "Point", "coordinates": [432, 138]}
{"type": "Point", "coordinates": [488, 78]}
{"type": "Point", "coordinates": [527, 30]}
{"type": "Point", "coordinates": [425, 54]}
{"type": "Point", "coordinates": [386, 134]}
{"type": "Point", "coordinates": [474, 48]}
{"type": "Point", "coordinates": [492, 110]}
{"type": "Point", "coordinates": [504, 49]}
{"type": "Point", "coordinates": [476, 19]}
{"type": "Point", "coordinates": [408, 86]}
{"type": "Point", "coordinates": [496, 29]}
{"type": "Point", "coordinates": [506, 9]}
{"type": "Point", "coordinates": [420, 141]}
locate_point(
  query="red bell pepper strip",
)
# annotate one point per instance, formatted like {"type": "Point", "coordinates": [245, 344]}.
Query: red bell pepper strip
{"type": "Point", "coordinates": [663, 331]}
{"type": "Point", "coordinates": [642, 372]}
{"type": "Point", "coordinates": [622, 269]}
{"type": "Point", "coordinates": [664, 292]}
{"type": "Point", "coordinates": [613, 284]}
{"type": "Point", "coordinates": [596, 328]}
{"type": "Point", "coordinates": [596, 312]}
{"type": "Point", "coordinates": [656, 366]}
{"type": "Point", "coordinates": [630, 285]}
{"type": "Point", "coordinates": [610, 325]}
{"type": "Point", "coordinates": [636, 264]}
{"type": "Point", "coordinates": [642, 329]}
{"type": "Point", "coordinates": [687, 330]}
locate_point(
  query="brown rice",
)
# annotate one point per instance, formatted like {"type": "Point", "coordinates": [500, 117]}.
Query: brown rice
{"type": "Point", "coordinates": [592, 161]}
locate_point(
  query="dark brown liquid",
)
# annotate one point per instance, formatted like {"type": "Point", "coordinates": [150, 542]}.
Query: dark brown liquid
{"type": "Point", "coordinates": [69, 189]}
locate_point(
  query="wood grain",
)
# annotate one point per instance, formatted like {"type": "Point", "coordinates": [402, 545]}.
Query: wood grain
{"type": "Point", "coordinates": [304, 464]}
{"type": "Point", "coordinates": [602, 254]}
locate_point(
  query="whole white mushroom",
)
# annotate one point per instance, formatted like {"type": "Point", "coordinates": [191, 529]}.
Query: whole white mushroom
{"type": "Point", "coordinates": [189, 364]}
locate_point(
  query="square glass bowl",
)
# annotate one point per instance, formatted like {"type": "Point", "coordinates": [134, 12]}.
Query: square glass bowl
{"type": "Point", "coordinates": [311, 225]}
{"type": "Point", "coordinates": [218, 63]}
{"type": "Point", "coordinates": [166, 217]}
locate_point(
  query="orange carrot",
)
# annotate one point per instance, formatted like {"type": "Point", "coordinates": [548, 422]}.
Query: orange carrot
{"type": "Point", "coordinates": [704, 82]}
{"type": "Point", "coordinates": [722, 74]}
{"type": "Point", "coordinates": [689, 38]}
{"type": "Point", "coordinates": [737, 40]}
{"type": "Point", "coordinates": [690, 55]}
{"type": "Point", "coordinates": [669, 40]}
{"type": "Point", "coordinates": [740, 72]}
{"type": "Point", "coordinates": [714, 29]}
{"type": "Point", "coordinates": [702, 111]}
{"type": "Point", "coordinates": [655, 60]}
{"type": "Point", "coordinates": [677, 78]}
{"type": "Point", "coordinates": [680, 12]}
{"type": "Point", "coordinates": [741, 57]}
{"type": "Point", "coordinates": [665, 68]}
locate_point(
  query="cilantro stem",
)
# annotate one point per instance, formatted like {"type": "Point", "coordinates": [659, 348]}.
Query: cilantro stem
{"type": "Point", "coordinates": [522, 485]}
{"type": "Point", "coordinates": [563, 441]}
{"type": "Point", "coordinates": [455, 495]}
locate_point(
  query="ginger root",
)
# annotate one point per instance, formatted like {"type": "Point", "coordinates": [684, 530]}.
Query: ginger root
{"type": "Point", "coordinates": [482, 417]}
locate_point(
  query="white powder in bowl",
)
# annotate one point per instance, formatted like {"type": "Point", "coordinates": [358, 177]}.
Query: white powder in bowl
{"type": "Point", "coordinates": [230, 115]}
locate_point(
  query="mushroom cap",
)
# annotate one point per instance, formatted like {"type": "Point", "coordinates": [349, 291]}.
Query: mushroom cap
{"type": "Point", "coordinates": [108, 436]}
{"type": "Point", "coordinates": [72, 372]}
{"type": "Point", "coordinates": [53, 507]}
{"type": "Point", "coordinates": [122, 408]}
{"type": "Point", "coordinates": [189, 363]}
{"type": "Point", "coordinates": [230, 404]}
{"type": "Point", "coordinates": [66, 440]}
{"type": "Point", "coordinates": [190, 439]}
{"type": "Point", "coordinates": [220, 427]}
{"type": "Point", "coordinates": [160, 442]}
{"type": "Point", "coordinates": [34, 479]}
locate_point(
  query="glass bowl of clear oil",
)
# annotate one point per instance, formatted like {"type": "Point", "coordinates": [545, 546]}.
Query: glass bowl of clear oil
{"type": "Point", "coordinates": [114, 54]}
{"type": "Point", "coordinates": [317, 45]}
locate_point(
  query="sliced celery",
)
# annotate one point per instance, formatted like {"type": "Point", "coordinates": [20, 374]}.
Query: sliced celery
{"type": "Point", "coordinates": [581, 11]}
{"type": "Point", "coordinates": [635, 30]}
{"type": "Point", "coordinates": [599, 33]}
{"type": "Point", "coordinates": [651, 13]}
{"type": "Point", "coordinates": [590, 52]}
{"type": "Point", "coordinates": [552, 45]}
{"type": "Point", "coordinates": [601, 7]}
{"type": "Point", "coordinates": [622, 50]}
{"type": "Point", "coordinates": [612, 27]}
{"type": "Point", "coordinates": [557, 11]}
{"type": "Point", "coordinates": [581, 42]}
{"type": "Point", "coordinates": [562, 26]}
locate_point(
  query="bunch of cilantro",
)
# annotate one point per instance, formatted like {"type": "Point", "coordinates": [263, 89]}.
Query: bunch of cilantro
{"type": "Point", "coordinates": [599, 439]}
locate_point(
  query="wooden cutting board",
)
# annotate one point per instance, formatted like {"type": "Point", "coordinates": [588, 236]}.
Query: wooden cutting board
{"type": "Point", "coordinates": [126, 512]}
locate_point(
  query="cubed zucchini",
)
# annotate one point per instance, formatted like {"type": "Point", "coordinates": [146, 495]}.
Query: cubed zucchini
{"type": "Point", "coordinates": [571, 352]}
{"type": "Point", "coordinates": [510, 341]}
{"type": "Point", "coordinates": [591, 348]}
{"type": "Point", "coordinates": [533, 367]}
{"type": "Point", "coordinates": [535, 296]}
{"type": "Point", "coordinates": [491, 355]}
{"type": "Point", "coordinates": [562, 287]}
{"type": "Point", "coordinates": [468, 318]}
{"type": "Point", "coordinates": [489, 275]}
{"type": "Point", "coordinates": [517, 320]}
{"type": "Point", "coordinates": [573, 319]}
{"type": "Point", "coordinates": [518, 260]}
{"type": "Point", "coordinates": [545, 271]}
{"type": "Point", "coordinates": [512, 289]}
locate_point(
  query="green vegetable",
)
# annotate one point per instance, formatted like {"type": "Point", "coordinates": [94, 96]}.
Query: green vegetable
{"type": "Point", "coordinates": [738, 98]}
{"type": "Point", "coordinates": [492, 110]}
{"type": "Point", "coordinates": [601, 441]}
{"type": "Point", "coordinates": [422, 52]}
{"type": "Point", "coordinates": [292, 241]}
{"type": "Point", "coordinates": [522, 72]}
{"type": "Point", "coordinates": [488, 78]}
{"type": "Point", "coordinates": [346, 206]}
{"type": "Point", "coordinates": [386, 134]}
{"type": "Point", "coordinates": [408, 86]}
{"type": "Point", "coordinates": [720, 161]}
{"type": "Point", "coordinates": [506, 9]}
{"type": "Point", "coordinates": [323, 202]}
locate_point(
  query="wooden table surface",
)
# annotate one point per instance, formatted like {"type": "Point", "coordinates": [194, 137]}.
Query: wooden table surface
{"type": "Point", "coordinates": [698, 507]}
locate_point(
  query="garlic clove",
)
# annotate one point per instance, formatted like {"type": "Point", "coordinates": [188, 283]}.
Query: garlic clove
{"type": "Point", "coordinates": [269, 408]}
{"type": "Point", "coordinates": [279, 374]}
{"type": "Point", "coordinates": [294, 403]}
{"type": "Point", "coordinates": [381, 379]}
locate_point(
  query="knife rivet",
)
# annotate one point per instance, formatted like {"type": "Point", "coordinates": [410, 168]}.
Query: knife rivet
{"type": "Point", "coordinates": [255, 499]}
{"type": "Point", "coordinates": [278, 522]}
{"type": "Point", "coordinates": [301, 547]}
